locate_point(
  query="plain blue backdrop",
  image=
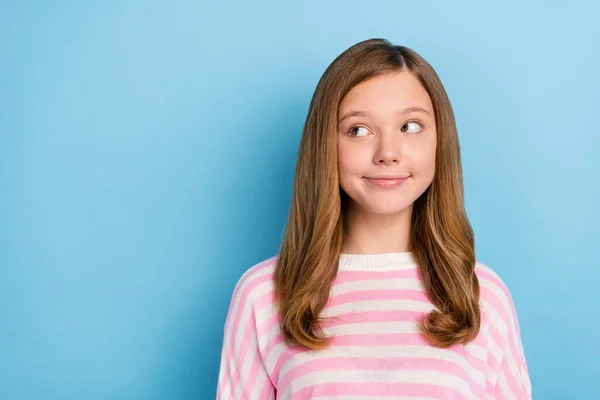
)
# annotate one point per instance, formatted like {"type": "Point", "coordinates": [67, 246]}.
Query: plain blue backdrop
{"type": "Point", "coordinates": [147, 151]}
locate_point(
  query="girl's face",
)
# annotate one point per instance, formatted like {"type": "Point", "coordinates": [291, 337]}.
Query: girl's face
{"type": "Point", "coordinates": [386, 143]}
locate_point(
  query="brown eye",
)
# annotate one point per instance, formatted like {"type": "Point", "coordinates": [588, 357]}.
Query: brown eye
{"type": "Point", "coordinates": [408, 125]}
{"type": "Point", "coordinates": [354, 131]}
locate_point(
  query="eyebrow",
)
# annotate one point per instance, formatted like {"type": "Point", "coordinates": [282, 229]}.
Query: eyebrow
{"type": "Point", "coordinates": [366, 114]}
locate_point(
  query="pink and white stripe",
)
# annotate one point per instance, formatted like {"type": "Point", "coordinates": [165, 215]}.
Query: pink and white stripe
{"type": "Point", "coordinates": [377, 351]}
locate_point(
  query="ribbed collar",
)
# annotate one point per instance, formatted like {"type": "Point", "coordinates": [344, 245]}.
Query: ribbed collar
{"type": "Point", "coordinates": [376, 262]}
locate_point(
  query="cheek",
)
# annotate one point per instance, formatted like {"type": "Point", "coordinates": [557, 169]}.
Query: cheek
{"type": "Point", "coordinates": [346, 157]}
{"type": "Point", "coordinates": [423, 159]}
{"type": "Point", "coordinates": [350, 161]}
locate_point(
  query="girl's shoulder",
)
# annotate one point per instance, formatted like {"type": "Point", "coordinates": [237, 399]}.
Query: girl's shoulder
{"type": "Point", "coordinates": [263, 268]}
{"type": "Point", "coordinates": [495, 295]}
{"type": "Point", "coordinates": [491, 280]}
{"type": "Point", "coordinates": [255, 282]}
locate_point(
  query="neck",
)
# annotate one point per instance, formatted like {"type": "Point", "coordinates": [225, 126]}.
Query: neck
{"type": "Point", "coordinates": [368, 233]}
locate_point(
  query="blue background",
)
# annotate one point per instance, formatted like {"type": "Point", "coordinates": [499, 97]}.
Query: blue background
{"type": "Point", "coordinates": [147, 152]}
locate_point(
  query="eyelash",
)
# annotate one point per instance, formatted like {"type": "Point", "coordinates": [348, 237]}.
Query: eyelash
{"type": "Point", "coordinates": [423, 126]}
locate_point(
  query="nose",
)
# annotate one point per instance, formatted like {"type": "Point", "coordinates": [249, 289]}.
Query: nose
{"type": "Point", "coordinates": [387, 150]}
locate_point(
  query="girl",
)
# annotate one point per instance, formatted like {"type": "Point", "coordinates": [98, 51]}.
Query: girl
{"type": "Point", "coordinates": [376, 292]}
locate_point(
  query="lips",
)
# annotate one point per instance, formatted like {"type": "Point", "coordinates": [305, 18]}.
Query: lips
{"type": "Point", "coordinates": [393, 177]}
{"type": "Point", "coordinates": [386, 182]}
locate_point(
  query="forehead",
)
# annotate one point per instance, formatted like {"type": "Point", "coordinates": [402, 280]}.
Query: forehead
{"type": "Point", "coordinates": [387, 92]}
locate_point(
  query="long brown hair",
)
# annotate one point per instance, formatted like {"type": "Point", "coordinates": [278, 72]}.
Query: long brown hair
{"type": "Point", "coordinates": [441, 239]}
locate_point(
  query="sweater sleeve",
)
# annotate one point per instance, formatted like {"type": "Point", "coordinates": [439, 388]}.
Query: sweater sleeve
{"type": "Point", "coordinates": [242, 373]}
{"type": "Point", "coordinates": [513, 378]}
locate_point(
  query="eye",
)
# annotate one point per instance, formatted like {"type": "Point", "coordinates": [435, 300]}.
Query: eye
{"type": "Point", "coordinates": [357, 129]}
{"type": "Point", "coordinates": [414, 125]}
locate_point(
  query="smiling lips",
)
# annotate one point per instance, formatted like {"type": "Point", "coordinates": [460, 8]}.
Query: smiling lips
{"type": "Point", "coordinates": [387, 182]}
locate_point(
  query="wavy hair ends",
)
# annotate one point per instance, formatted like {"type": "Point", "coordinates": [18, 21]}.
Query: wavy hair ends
{"type": "Point", "coordinates": [441, 240]}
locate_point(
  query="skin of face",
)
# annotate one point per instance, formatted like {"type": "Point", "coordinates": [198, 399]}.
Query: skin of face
{"type": "Point", "coordinates": [390, 136]}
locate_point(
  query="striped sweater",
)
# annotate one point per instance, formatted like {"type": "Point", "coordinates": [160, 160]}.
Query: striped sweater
{"type": "Point", "coordinates": [377, 351]}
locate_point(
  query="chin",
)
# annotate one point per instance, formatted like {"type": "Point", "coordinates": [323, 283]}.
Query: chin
{"type": "Point", "coordinates": [385, 209]}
